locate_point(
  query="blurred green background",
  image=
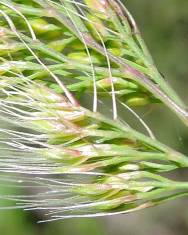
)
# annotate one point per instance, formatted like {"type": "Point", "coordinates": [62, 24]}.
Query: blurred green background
{"type": "Point", "coordinates": [164, 25]}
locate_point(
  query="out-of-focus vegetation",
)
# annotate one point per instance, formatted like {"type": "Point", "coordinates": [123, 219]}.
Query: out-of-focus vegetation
{"type": "Point", "coordinates": [164, 25]}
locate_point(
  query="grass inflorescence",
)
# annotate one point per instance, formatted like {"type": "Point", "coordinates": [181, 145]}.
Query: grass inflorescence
{"type": "Point", "coordinates": [54, 53]}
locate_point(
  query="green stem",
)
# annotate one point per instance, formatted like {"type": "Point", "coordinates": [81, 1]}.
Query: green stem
{"type": "Point", "coordinates": [171, 155]}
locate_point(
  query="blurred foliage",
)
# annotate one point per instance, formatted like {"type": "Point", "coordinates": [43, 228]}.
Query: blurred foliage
{"type": "Point", "coordinates": [164, 25]}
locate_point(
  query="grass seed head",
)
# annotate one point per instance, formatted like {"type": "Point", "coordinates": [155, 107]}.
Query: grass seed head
{"type": "Point", "coordinates": [89, 165]}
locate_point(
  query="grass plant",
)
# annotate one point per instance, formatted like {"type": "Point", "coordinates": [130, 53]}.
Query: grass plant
{"type": "Point", "coordinates": [76, 160]}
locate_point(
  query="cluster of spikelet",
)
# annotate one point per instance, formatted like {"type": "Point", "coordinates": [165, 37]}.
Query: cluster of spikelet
{"type": "Point", "coordinates": [76, 161]}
